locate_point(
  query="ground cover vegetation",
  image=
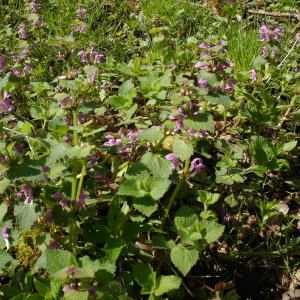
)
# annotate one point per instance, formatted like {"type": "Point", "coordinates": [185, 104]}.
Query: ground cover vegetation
{"type": "Point", "coordinates": [149, 149]}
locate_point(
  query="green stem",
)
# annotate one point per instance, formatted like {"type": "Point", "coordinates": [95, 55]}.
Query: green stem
{"type": "Point", "coordinates": [79, 187]}
{"type": "Point", "coordinates": [174, 194]}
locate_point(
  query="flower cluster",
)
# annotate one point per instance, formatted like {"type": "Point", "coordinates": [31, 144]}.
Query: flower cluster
{"type": "Point", "coordinates": [64, 203]}
{"type": "Point", "coordinates": [5, 236]}
{"type": "Point", "coordinates": [271, 37]}
{"type": "Point", "coordinates": [267, 34]}
{"type": "Point", "coordinates": [5, 104]}
{"type": "Point", "coordinates": [195, 167]}
{"type": "Point", "coordinates": [213, 62]}
{"type": "Point", "coordinates": [90, 57]}
{"type": "Point", "coordinates": [79, 25]}
{"type": "Point", "coordinates": [125, 142]}
{"type": "Point", "coordinates": [26, 193]}
{"type": "Point", "coordinates": [190, 109]}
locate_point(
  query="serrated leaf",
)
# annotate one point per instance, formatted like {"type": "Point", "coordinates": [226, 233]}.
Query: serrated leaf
{"type": "Point", "coordinates": [55, 260]}
{"type": "Point", "coordinates": [185, 218]}
{"type": "Point", "coordinates": [289, 146]}
{"type": "Point", "coordinates": [145, 277]}
{"type": "Point", "coordinates": [201, 121]}
{"type": "Point", "coordinates": [211, 230]}
{"type": "Point", "coordinates": [146, 205]}
{"type": "Point", "coordinates": [207, 197]}
{"type": "Point", "coordinates": [26, 214]}
{"type": "Point", "coordinates": [159, 166]}
{"type": "Point", "coordinates": [165, 284]}
{"type": "Point", "coordinates": [182, 149]}
{"type": "Point", "coordinates": [3, 210]}
{"type": "Point", "coordinates": [152, 134]}
{"type": "Point", "coordinates": [220, 99]}
{"type": "Point", "coordinates": [4, 259]}
{"type": "Point", "coordinates": [184, 258]}
{"type": "Point", "coordinates": [141, 186]}
{"type": "Point", "coordinates": [119, 102]}
{"type": "Point", "coordinates": [4, 184]}
{"type": "Point", "coordinates": [127, 90]}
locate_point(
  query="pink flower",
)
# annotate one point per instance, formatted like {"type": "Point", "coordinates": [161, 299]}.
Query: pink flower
{"type": "Point", "coordinates": [203, 46]}
{"type": "Point", "coordinates": [112, 141]}
{"type": "Point", "coordinates": [196, 166]}
{"type": "Point", "coordinates": [276, 33]}
{"type": "Point", "coordinates": [175, 161]}
{"type": "Point", "coordinates": [252, 75]}
{"type": "Point", "coordinates": [26, 193]}
{"type": "Point", "coordinates": [203, 83]}
{"type": "Point", "coordinates": [265, 50]}
{"type": "Point", "coordinates": [222, 42]}
{"type": "Point", "coordinates": [265, 33]}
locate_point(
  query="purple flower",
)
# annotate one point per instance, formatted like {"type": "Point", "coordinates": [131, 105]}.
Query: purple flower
{"type": "Point", "coordinates": [196, 166]}
{"type": "Point", "coordinates": [66, 139]}
{"type": "Point", "coordinates": [276, 33]}
{"type": "Point", "coordinates": [112, 141]}
{"type": "Point", "coordinates": [252, 75]}
{"type": "Point", "coordinates": [81, 200]}
{"type": "Point", "coordinates": [53, 245]}
{"type": "Point", "coordinates": [65, 101]}
{"type": "Point", "coordinates": [265, 50]}
{"type": "Point", "coordinates": [34, 7]}
{"type": "Point", "coordinates": [83, 56]}
{"type": "Point", "coordinates": [63, 200]}
{"type": "Point", "coordinates": [5, 106]}
{"type": "Point", "coordinates": [202, 66]}
{"type": "Point", "coordinates": [79, 28]}
{"type": "Point", "coordinates": [22, 31]}
{"type": "Point", "coordinates": [81, 118]}
{"type": "Point", "coordinates": [265, 33]}
{"type": "Point", "coordinates": [26, 193]}
{"type": "Point", "coordinates": [222, 42]}
{"type": "Point", "coordinates": [175, 161]}
{"type": "Point", "coordinates": [98, 57]}
{"type": "Point", "coordinates": [81, 13]}
{"type": "Point", "coordinates": [274, 53]}
{"type": "Point", "coordinates": [5, 235]}
{"type": "Point", "coordinates": [203, 82]}
{"type": "Point", "coordinates": [179, 118]}
{"type": "Point", "coordinates": [203, 46]}
{"type": "Point", "coordinates": [229, 86]}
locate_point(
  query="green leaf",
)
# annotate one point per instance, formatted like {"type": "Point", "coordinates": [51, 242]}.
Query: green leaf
{"type": "Point", "coordinates": [26, 214]}
{"type": "Point", "coordinates": [159, 166]}
{"type": "Point", "coordinates": [3, 210]}
{"type": "Point", "coordinates": [289, 146]}
{"type": "Point", "coordinates": [145, 277]}
{"type": "Point", "coordinates": [119, 102]}
{"type": "Point", "coordinates": [127, 90]}
{"type": "Point", "coordinates": [182, 149]}
{"type": "Point", "coordinates": [184, 258]}
{"type": "Point", "coordinates": [185, 218]}
{"type": "Point", "coordinates": [76, 295]}
{"type": "Point", "coordinates": [220, 99]}
{"type": "Point", "coordinates": [55, 260]}
{"type": "Point", "coordinates": [141, 186]}
{"type": "Point", "coordinates": [113, 249]}
{"type": "Point", "coordinates": [5, 258]}
{"type": "Point", "coordinates": [211, 230]}
{"type": "Point", "coordinates": [207, 197]}
{"type": "Point", "coordinates": [152, 134]}
{"type": "Point", "coordinates": [4, 184]}
{"type": "Point", "coordinates": [258, 62]}
{"type": "Point", "coordinates": [146, 205]}
{"type": "Point", "coordinates": [42, 286]}
{"type": "Point", "coordinates": [165, 284]}
{"type": "Point", "coordinates": [211, 78]}
{"type": "Point", "coordinates": [201, 121]}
